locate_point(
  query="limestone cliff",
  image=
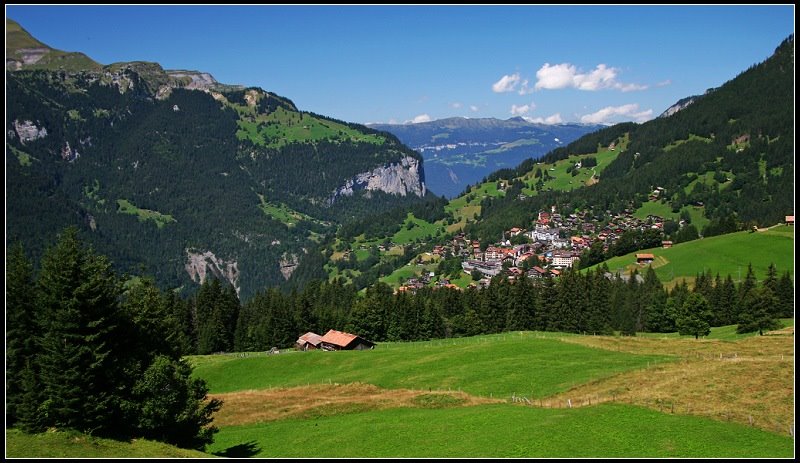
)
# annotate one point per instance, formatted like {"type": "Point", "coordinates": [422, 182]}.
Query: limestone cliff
{"type": "Point", "coordinates": [199, 264]}
{"type": "Point", "coordinates": [401, 178]}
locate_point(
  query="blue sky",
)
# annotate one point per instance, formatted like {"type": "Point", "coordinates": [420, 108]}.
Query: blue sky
{"type": "Point", "coordinates": [403, 63]}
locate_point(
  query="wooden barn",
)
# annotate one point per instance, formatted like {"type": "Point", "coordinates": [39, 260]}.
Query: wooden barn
{"type": "Point", "coordinates": [308, 341]}
{"type": "Point", "coordinates": [338, 340]}
{"type": "Point", "coordinates": [644, 258]}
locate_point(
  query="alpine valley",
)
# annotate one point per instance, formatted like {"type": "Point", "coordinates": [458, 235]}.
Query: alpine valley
{"type": "Point", "coordinates": [460, 152]}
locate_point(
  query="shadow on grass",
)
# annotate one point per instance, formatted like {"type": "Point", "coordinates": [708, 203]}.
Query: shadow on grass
{"type": "Point", "coordinates": [245, 450]}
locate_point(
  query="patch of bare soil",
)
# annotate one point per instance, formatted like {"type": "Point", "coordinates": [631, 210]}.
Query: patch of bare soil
{"type": "Point", "coordinates": [246, 407]}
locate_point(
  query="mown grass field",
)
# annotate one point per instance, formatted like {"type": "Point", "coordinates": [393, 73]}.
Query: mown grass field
{"type": "Point", "coordinates": [724, 396]}
{"type": "Point", "coordinates": [504, 431]}
{"type": "Point", "coordinates": [518, 394]}
{"type": "Point", "coordinates": [492, 366]}
{"type": "Point", "coordinates": [725, 254]}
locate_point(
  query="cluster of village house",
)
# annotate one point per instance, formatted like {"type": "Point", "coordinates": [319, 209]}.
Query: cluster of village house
{"type": "Point", "coordinates": [556, 243]}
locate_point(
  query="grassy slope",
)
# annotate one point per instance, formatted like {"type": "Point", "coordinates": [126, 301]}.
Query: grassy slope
{"type": "Point", "coordinates": [505, 430]}
{"type": "Point", "coordinates": [467, 364]}
{"type": "Point", "coordinates": [76, 445]}
{"type": "Point", "coordinates": [622, 429]}
{"type": "Point", "coordinates": [126, 207]}
{"type": "Point", "coordinates": [724, 254]}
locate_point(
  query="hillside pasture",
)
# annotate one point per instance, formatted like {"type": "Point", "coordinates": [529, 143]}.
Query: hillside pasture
{"type": "Point", "coordinates": [727, 254]}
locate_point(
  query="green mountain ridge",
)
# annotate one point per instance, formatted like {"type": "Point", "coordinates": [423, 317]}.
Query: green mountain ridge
{"type": "Point", "coordinates": [159, 168]}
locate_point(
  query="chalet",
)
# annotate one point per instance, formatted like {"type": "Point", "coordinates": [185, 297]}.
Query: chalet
{"type": "Point", "coordinates": [514, 231]}
{"type": "Point", "coordinates": [789, 220]}
{"type": "Point", "coordinates": [644, 258]}
{"type": "Point", "coordinates": [537, 273]}
{"type": "Point", "coordinates": [308, 341]}
{"type": "Point", "coordinates": [338, 340]}
{"type": "Point", "coordinates": [666, 244]}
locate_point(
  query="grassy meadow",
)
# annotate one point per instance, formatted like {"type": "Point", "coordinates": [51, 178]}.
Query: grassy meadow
{"type": "Point", "coordinates": [516, 394]}
{"type": "Point", "coordinates": [724, 254]}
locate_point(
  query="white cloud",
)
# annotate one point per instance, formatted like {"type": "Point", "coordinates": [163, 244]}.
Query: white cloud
{"type": "Point", "coordinates": [473, 108]}
{"type": "Point", "coordinates": [506, 83]}
{"type": "Point", "coordinates": [664, 83]}
{"type": "Point", "coordinates": [626, 112]}
{"type": "Point", "coordinates": [520, 110]}
{"type": "Point", "coordinates": [549, 120]}
{"type": "Point", "coordinates": [455, 105]}
{"type": "Point", "coordinates": [566, 75]}
{"type": "Point", "coordinates": [524, 89]}
{"type": "Point", "coordinates": [420, 118]}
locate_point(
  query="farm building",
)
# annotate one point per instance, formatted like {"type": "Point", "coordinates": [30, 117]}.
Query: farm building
{"type": "Point", "coordinates": [789, 220]}
{"type": "Point", "coordinates": [644, 258]}
{"type": "Point", "coordinates": [308, 341]}
{"type": "Point", "coordinates": [338, 340]}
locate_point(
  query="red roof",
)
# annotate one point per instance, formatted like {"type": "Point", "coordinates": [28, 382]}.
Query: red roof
{"type": "Point", "coordinates": [645, 256]}
{"type": "Point", "coordinates": [338, 338]}
{"type": "Point", "coordinates": [311, 338]}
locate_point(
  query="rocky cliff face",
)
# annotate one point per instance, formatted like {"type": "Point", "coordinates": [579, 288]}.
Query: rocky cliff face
{"type": "Point", "coordinates": [401, 178]}
{"type": "Point", "coordinates": [200, 264]}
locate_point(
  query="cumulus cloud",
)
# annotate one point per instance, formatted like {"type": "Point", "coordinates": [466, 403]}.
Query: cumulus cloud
{"type": "Point", "coordinates": [626, 112]}
{"type": "Point", "coordinates": [549, 120]}
{"type": "Point", "coordinates": [524, 89]}
{"type": "Point", "coordinates": [420, 118]}
{"type": "Point", "coordinates": [565, 75]}
{"type": "Point", "coordinates": [506, 83]}
{"type": "Point", "coordinates": [523, 109]}
{"type": "Point", "coordinates": [473, 108]}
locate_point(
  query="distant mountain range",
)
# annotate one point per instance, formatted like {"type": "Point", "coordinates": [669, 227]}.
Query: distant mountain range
{"type": "Point", "coordinates": [462, 151]}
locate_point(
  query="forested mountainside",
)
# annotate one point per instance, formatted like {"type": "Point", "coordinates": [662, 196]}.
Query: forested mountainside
{"type": "Point", "coordinates": [173, 174]}
{"type": "Point", "coordinates": [731, 152]}
{"type": "Point", "coordinates": [461, 151]}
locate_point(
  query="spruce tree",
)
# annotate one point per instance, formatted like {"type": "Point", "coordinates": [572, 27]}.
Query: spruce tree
{"type": "Point", "coordinates": [757, 311]}
{"type": "Point", "coordinates": [78, 363]}
{"type": "Point", "coordinates": [21, 329]}
{"type": "Point", "coordinates": [694, 316]}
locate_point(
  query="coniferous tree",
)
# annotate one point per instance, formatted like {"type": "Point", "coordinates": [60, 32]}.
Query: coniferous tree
{"type": "Point", "coordinates": [21, 329]}
{"type": "Point", "coordinates": [694, 316]}
{"type": "Point", "coordinates": [757, 312]}
{"type": "Point", "coordinates": [784, 291]}
{"type": "Point", "coordinates": [80, 346]}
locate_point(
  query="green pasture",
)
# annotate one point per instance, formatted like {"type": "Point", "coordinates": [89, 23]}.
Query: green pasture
{"type": "Point", "coordinates": [533, 364]}
{"type": "Point", "coordinates": [727, 254]}
{"type": "Point", "coordinates": [70, 444]}
{"type": "Point", "coordinates": [504, 431]}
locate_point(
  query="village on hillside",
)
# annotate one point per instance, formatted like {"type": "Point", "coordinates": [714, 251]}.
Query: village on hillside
{"type": "Point", "coordinates": [553, 244]}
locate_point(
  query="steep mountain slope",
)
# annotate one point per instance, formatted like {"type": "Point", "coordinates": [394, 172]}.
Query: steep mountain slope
{"type": "Point", "coordinates": [459, 151]}
{"type": "Point", "coordinates": [731, 152]}
{"type": "Point", "coordinates": [175, 174]}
